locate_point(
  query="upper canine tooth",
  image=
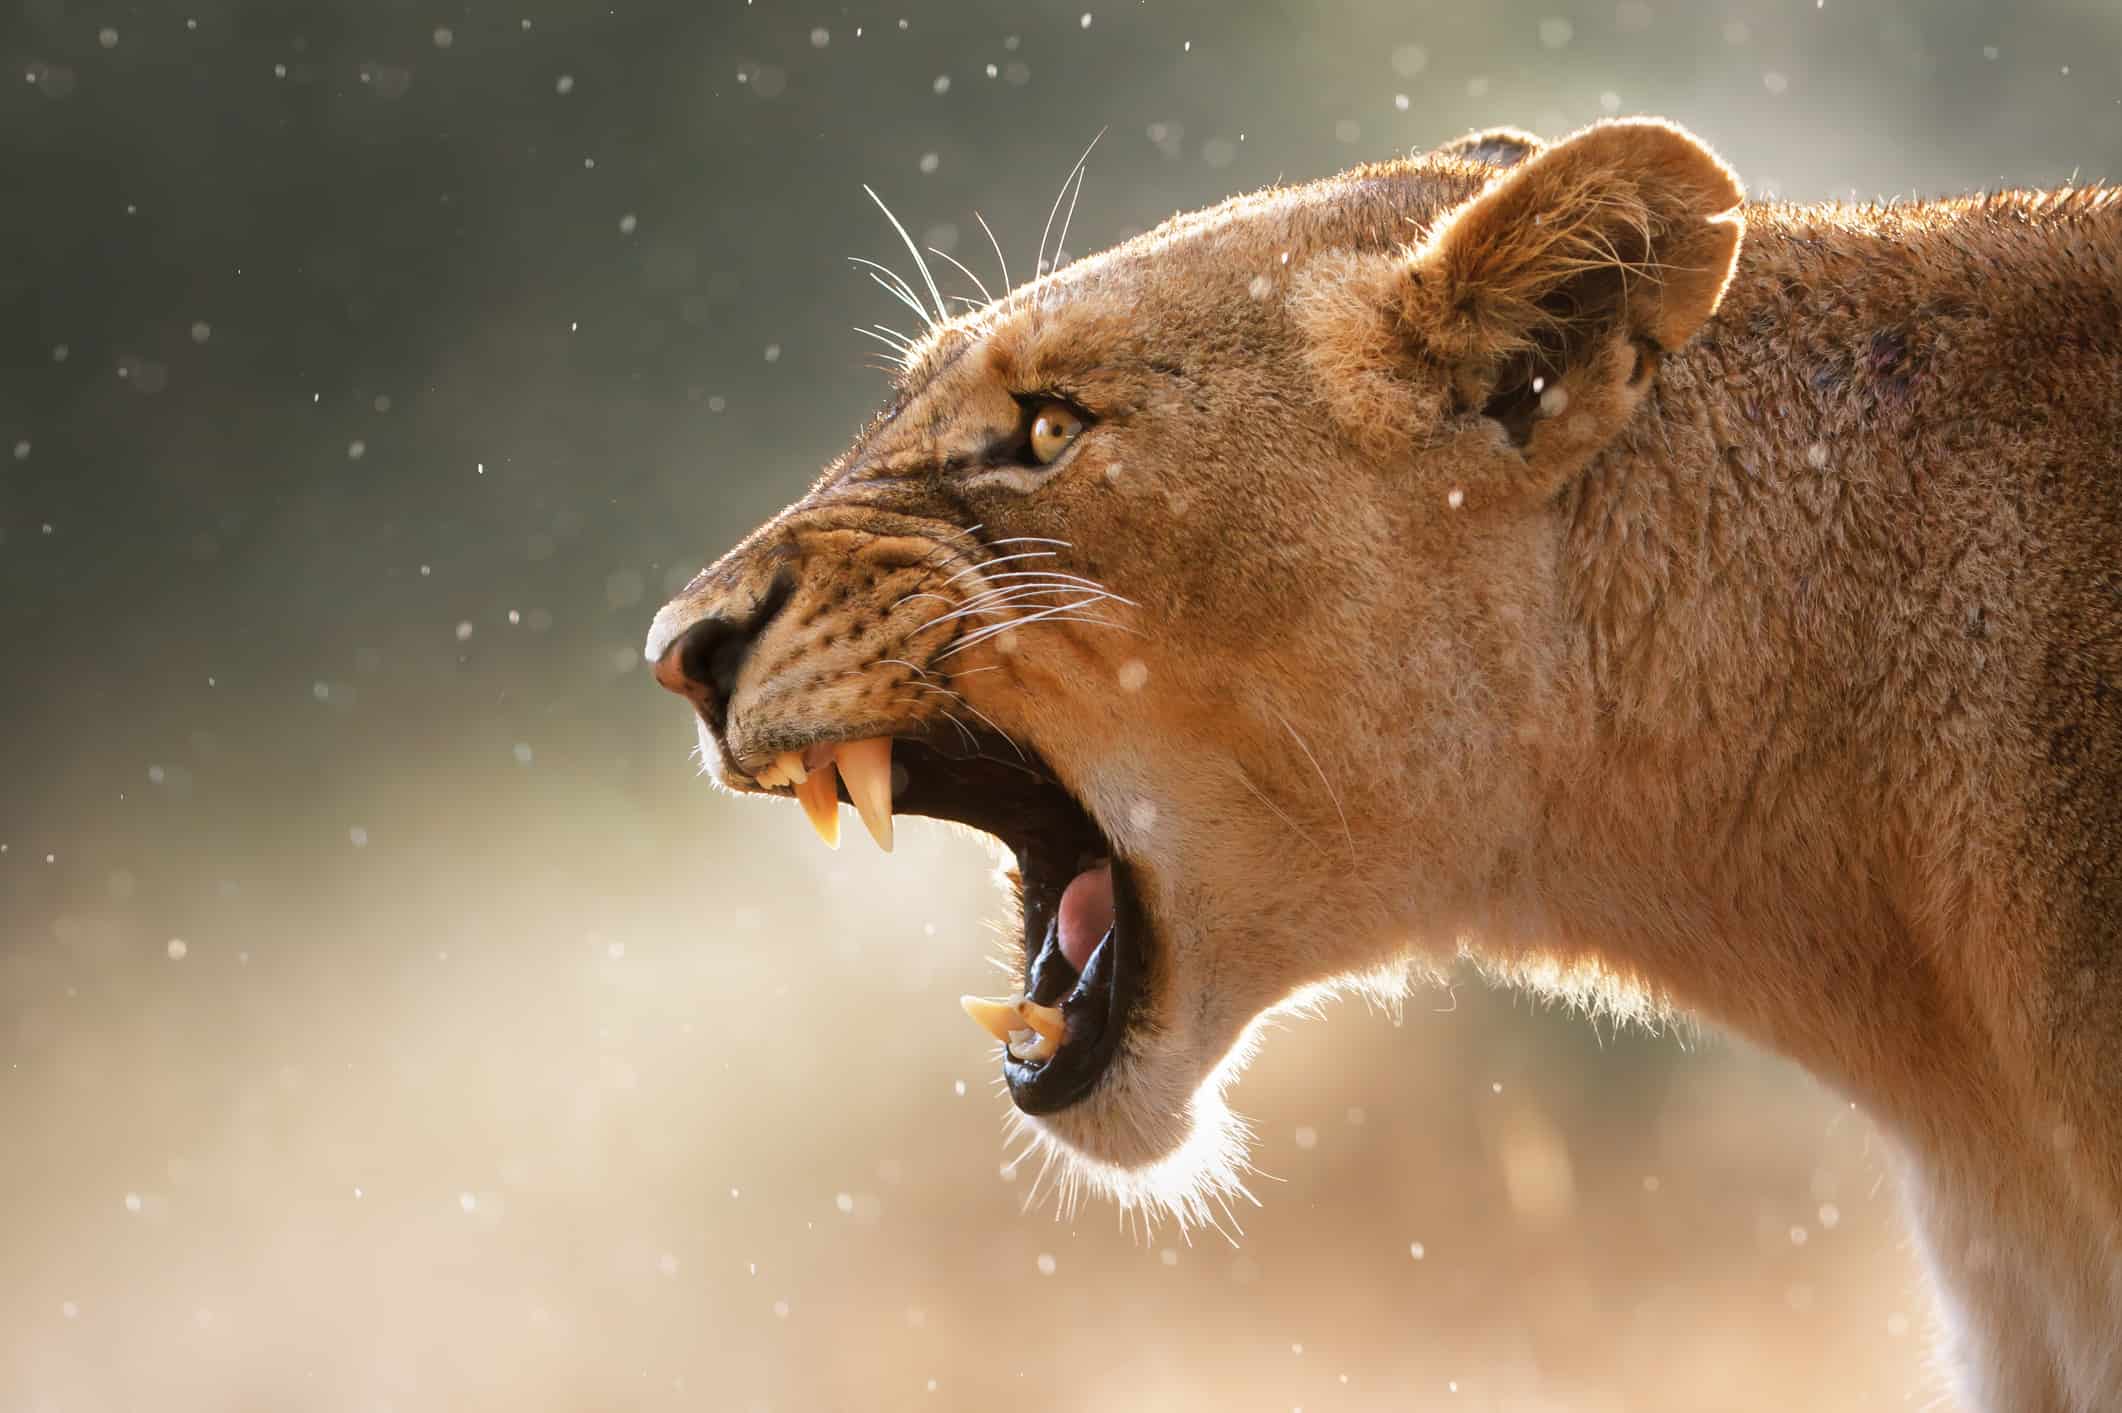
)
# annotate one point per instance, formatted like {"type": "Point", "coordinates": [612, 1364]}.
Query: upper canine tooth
{"type": "Point", "coordinates": [867, 768]}
{"type": "Point", "coordinates": [995, 1017]}
{"type": "Point", "coordinates": [820, 799]}
{"type": "Point", "coordinates": [1047, 1020]}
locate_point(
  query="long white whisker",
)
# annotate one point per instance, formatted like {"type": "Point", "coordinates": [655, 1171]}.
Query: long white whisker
{"type": "Point", "coordinates": [1066, 182]}
{"type": "Point", "coordinates": [899, 348]}
{"type": "Point", "coordinates": [899, 284]}
{"type": "Point", "coordinates": [978, 283]}
{"type": "Point", "coordinates": [905, 299]}
{"type": "Point", "coordinates": [999, 260]}
{"type": "Point", "coordinates": [1000, 608]}
{"type": "Point", "coordinates": [1056, 576]}
{"type": "Point", "coordinates": [1004, 559]}
{"type": "Point", "coordinates": [991, 726]}
{"type": "Point", "coordinates": [1346, 833]}
{"type": "Point", "coordinates": [1296, 828]}
{"type": "Point", "coordinates": [1062, 244]}
{"type": "Point", "coordinates": [926, 277]}
{"type": "Point", "coordinates": [1058, 613]}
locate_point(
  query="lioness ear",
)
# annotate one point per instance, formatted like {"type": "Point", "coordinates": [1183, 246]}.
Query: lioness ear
{"type": "Point", "coordinates": [1498, 147]}
{"type": "Point", "coordinates": [1574, 269]}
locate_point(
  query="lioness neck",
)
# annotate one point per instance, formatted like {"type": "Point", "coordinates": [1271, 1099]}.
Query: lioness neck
{"type": "Point", "coordinates": [1842, 608]}
{"type": "Point", "coordinates": [1806, 594]}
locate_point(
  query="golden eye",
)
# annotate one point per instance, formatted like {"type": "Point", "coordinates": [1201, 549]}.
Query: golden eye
{"type": "Point", "coordinates": [1054, 426]}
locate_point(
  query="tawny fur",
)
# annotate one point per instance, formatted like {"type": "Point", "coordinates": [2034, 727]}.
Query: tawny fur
{"type": "Point", "coordinates": [1490, 570]}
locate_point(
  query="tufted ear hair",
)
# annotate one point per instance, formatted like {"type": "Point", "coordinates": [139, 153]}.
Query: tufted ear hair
{"type": "Point", "coordinates": [1497, 147]}
{"type": "Point", "coordinates": [1576, 268]}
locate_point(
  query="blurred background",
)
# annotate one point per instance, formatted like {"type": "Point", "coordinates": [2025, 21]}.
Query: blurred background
{"type": "Point", "coordinates": [389, 1018]}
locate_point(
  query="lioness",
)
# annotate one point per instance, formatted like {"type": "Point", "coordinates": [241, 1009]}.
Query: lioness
{"type": "Point", "coordinates": [1531, 549]}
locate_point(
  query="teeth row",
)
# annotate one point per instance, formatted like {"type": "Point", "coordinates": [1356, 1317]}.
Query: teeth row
{"type": "Point", "coordinates": [1030, 1031]}
{"type": "Point", "coordinates": [867, 768]}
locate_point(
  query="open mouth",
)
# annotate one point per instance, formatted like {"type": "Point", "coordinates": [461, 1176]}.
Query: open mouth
{"type": "Point", "coordinates": [1085, 932]}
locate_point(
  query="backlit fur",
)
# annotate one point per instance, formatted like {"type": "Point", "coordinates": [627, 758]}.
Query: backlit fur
{"type": "Point", "coordinates": [1565, 559]}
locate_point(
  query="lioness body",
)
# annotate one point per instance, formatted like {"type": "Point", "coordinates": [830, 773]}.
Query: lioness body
{"type": "Point", "coordinates": [1482, 579]}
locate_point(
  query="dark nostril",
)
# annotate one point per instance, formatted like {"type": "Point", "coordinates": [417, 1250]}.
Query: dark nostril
{"type": "Point", "coordinates": [706, 658]}
{"type": "Point", "coordinates": [714, 653]}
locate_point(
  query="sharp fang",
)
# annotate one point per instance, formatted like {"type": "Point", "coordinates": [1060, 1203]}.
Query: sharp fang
{"type": "Point", "coordinates": [997, 1018]}
{"type": "Point", "coordinates": [1047, 1020]}
{"type": "Point", "coordinates": [867, 767]}
{"type": "Point", "coordinates": [1032, 1047]}
{"type": "Point", "coordinates": [821, 803]}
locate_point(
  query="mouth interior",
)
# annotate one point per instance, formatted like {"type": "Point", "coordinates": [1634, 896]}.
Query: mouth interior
{"type": "Point", "coordinates": [1083, 930]}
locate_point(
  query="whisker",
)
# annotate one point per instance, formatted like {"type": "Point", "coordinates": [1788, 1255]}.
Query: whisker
{"type": "Point", "coordinates": [926, 277]}
{"type": "Point", "coordinates": [898, 282]}
{"type": "Point", "coordinates": [1061, 244]}
{"type": "Point", "coordinates": [905, 299]}
{"type": "Point", "coordinates": [1065, 184]}
{"type": "Point", "coordinates": [992, 727]}
{"type": "Point", "coordinates": [1346, 833]}
{"type": "Point", "coordinates": [978, 283]}
{"type": "Point", "coordinates": [999, 260]}
{"type": "Point", "coordinates": [976, 568]}
{"type": "Point", "coordinates": [900, 348]}
{"type": "Point", "coordinates": [1058, 577]}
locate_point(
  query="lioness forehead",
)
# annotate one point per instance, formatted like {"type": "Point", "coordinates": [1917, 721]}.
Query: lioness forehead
{"type": "Point", "coordinates": [1197, 271]}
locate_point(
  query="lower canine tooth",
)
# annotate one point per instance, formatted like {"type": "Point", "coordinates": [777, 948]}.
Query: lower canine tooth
{"type": "Point", "coordinates": [1027, 1045]}
{"type": "Point", "coordinates": [820, 798]}
{"type": "Point", "coordinates": [867, 767]}
{"type": "Point", "coordinates": [1047, 1020]}
{"type": "Point", "coordinates": [997, 1018]}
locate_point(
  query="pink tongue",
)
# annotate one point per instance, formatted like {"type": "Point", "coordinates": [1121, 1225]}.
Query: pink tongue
{"type": "Point", "coordinates": [1086, 913]}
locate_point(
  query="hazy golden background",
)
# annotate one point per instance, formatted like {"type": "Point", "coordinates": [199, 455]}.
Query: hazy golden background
{"type": "Point", "coordinates": [388, 1018]}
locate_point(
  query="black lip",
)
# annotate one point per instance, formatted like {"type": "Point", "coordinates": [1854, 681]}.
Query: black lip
{"type": "Point", "coordinates": [989, 783]}
{"type": "Point", "coordinates": [1097, 1011]}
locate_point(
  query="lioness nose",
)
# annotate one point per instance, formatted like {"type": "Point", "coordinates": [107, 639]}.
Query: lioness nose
{"type": "Point", "coordinates": [700, 660]}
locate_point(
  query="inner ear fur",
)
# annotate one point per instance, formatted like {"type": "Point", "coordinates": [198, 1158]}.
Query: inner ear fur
{"type": "Point", "coordinates": [1626, 231]}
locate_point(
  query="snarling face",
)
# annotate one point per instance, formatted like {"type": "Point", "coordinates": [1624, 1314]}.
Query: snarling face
{"type": "Point", "coordinates": [1213, 577]}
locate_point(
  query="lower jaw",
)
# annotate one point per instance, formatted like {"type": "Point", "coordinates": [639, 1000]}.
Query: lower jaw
{"type": "Point", "coordinates": [1099, 1010]}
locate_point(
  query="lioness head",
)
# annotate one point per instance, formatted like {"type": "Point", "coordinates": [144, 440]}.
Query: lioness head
{"type": "Point", "coordinates": [1213, 577]}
